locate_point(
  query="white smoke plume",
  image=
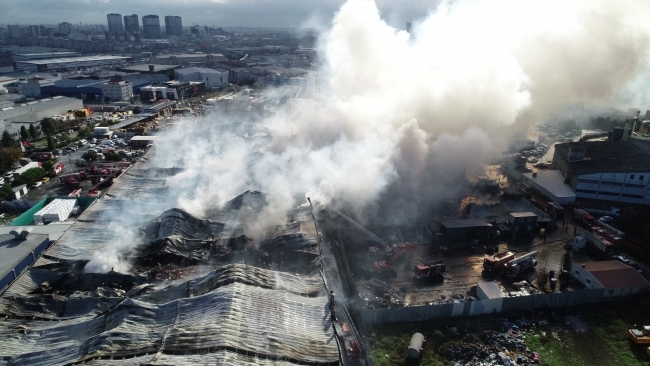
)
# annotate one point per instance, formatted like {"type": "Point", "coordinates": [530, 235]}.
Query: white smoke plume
{"type": "Point", "coordinates": [405, 114]}
{"type": "Point", "coordinates": [110, 258]}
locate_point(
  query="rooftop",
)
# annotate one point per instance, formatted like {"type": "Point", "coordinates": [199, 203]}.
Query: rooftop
{"type": "Point", "coordinates": [73, 59]}
{"type": "Point", "coordinates": [614, 274]}
{"type": "Point", "coordinates": [12, 250]}
{"type": "Point", "coordinates": [35, 106]}
{"type": "Point", "coordinates": [189, 70]}
{"type": "Point", "coordinates": [553, 182]}
{"type": "Point", "coordinates": [452, 224]}
{"type": "Point", "coordinates": [623, 156]}
{"type": "Point", "coordinates": [491, 290]}
{"type": "Point", "coordinates": [145, 67]}
{"type": "Point", "coordinates": [523, 214]}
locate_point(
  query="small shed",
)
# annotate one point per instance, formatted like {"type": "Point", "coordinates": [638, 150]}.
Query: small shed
{"type": "Point", "coordinates": [488, 291]}
{"type": "Point", "coordinates": [464, 229]}
{"type": "Point", "coordinates": [19, 191]}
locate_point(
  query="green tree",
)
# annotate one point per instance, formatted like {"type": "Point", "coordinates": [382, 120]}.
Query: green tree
{"type": "Point", "coordinates": [5, 192]}
{"type": "Point", "coordinates": [111, 156]}
{"type": "Point", "coordinates": [32, 131]}
{"type": "Point", "coordinates": [47, 165]}
{"type": "Point", "coordinates": [50, 143]}
{"type": "Point", "coordinates": [47, 125]}
{"type": "Point", "coordinates": [90, 156]}
{"type": "Point", "coordinates": [9, 156]}
{"type": "Point", "coordinates": [29, 177]}
{"type": "Point", "coordinates": [24, 134]}
{"type": "Point", "coordinates": [7, 140]}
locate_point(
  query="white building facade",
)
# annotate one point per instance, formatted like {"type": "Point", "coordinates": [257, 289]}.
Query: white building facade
{"type": "Point", "coordinates": [211, 77]}
{"type": "Point", "coordinates": [118, 90]}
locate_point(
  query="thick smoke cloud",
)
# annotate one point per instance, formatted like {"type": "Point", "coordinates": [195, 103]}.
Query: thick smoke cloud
{"type": "Point", "coordinates": [405, 114]}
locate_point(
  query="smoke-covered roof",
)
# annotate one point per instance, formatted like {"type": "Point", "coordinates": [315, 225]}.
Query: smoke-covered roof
{"type": "Point", "coordinates": [199, 290]}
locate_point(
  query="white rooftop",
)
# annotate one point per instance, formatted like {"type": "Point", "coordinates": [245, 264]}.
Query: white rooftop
{"type": "Point", "coordinates": [553, 182]}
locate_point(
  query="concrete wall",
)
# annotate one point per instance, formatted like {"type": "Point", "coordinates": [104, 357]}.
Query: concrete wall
{"type": "Point", "coordinates": [480, 307]}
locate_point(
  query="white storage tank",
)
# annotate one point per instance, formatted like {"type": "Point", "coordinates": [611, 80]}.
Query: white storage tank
{"type": "Point", "coordinates": [415, 347]}
{"type": "Point", "coordinates": [579, 243]}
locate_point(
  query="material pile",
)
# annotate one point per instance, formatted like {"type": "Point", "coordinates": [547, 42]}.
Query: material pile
{"type": "Point", "coordinates": [56, 211]}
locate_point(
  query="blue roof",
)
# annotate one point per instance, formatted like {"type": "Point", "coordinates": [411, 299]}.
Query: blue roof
{"type": "Point", "coordinates": [71, 83]}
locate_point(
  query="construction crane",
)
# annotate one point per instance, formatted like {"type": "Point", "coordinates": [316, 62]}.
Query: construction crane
{"type": "Point", "coordinates": [363, 229]}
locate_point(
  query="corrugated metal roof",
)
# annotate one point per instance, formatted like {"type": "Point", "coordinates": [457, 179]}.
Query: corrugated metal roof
{"type": "Point", "coordinates": [12, 251]}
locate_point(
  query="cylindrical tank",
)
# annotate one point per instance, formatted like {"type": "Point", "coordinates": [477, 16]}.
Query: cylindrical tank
{"type": "Point", "coordinates": [553, 283]}
{"type": "Point", "coordinates": [415, 347]}
{"type": "Point", "coordinates": [551, 273]}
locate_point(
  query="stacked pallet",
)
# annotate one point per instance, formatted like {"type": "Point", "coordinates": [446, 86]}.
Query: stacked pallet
{"type": "Point", "coordinates": [58, 210]}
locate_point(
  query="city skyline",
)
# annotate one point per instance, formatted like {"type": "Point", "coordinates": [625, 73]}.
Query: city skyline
{"type": "Point", "coordinates": [276, 14]}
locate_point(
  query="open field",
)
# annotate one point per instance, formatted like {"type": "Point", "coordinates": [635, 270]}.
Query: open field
{"type": "Point", "coordinates": [592, 335]}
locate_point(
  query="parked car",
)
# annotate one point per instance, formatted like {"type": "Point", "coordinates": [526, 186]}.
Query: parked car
{"type": "Point", "coordinates": [37, 184]}
{"type": "Point", "coordinates": [622, 259]}
{"type": "Point", "coordinates": [45, 179]}
{"type": "Point", "coordinates": [93, 140]}
{"type": "Point", "coordinates": [606, 219]}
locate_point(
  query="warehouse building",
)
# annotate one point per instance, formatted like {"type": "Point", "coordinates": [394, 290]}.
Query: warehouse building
{"type": "Point", "coordinates": [612, 171]}
{"type": "Point", "coordinates": [211, 77]}
{"type": "Point", "coordinates": [188, 59]}
{"type": "Point", "coordinates": [551, 184]}
{"type": "Point", "coordinates": [33, 112]}
{"type": "Point", "coordinates": [71, 63]}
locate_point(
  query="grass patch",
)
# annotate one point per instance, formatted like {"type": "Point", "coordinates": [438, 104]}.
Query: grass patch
{"type": "Point", "coordinates": [555, 352]}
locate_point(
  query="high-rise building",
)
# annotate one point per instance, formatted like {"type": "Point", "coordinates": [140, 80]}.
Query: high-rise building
{"type": "Point", "coordinates": [14, 31]}
{"type": "Point", "coordinates": [65, 28]}
{"type": "Point", "coordinates": [131, 24]}
{"type": "Point", "coordinates": [173, 26]}
{"type": "Point", "coordinates": [151, 26]}
{"type": "Point", "coordinates": [115, 26]}
{"type": "Point", "coordinates": [34, 31]}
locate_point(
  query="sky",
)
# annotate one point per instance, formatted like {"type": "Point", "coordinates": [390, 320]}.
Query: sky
{"type": "Point", "coordinates": [224, 13]}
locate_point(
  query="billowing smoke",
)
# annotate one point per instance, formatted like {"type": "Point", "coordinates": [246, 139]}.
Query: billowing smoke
{"type": "Point", "coordinates": [405, 114]}
{"type": "Point", "coordinates": [110, 258]}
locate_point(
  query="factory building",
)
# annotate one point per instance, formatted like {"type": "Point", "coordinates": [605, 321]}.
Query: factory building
{"type": "Point", "coordinates": [551, 184]}
{"type": "Point", "coordinates": [211, 77]}
{"type": "Point", "coordinates": [33, 112]}
{"type": "Point", "coordinates": [611, 171]}
{"type": "Point", "coordinates": [188, 59]}
{"type": "Point", "coordinates": [31, 88]}
{"type": "Point", "coordinates": [71, 63]}
{"type": "Point", "coordinates": [44, 55]}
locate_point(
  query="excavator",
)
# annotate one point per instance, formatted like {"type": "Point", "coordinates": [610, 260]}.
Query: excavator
{"type": "Point", "coordinates": [398, 249]}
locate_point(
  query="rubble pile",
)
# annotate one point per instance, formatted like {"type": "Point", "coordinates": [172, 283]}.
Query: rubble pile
{"type": "Point", "coordinates": [162, 272]}
{"type": "Point", "coordinates": [378, 295]}
{"type": "Point", "coordinates": [485, 347]}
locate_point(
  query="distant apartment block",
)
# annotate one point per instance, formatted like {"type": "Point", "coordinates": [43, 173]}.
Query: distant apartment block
{"type": "Point", "coordinates": [151, 26]}
{"type": "Point", "coordinates": [65, 28]}
{"type": "Point", "coordinates": [173, 26]}
{"type": "Point", "coordinates": [115, 26]}
{"type": "Point", "coordinates": [131, 23]}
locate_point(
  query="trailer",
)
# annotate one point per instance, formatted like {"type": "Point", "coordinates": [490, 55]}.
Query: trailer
{"type": "Point", "coordinates": [611, 211]}
{"type": "Point", "coordinates": [519, 265]}
{"type": "Point", "coordinates": [583, 216]}
{"type": "Point", "coordinates": [496, 262]}
{"type": "Point", "coordinates": [600, 243]}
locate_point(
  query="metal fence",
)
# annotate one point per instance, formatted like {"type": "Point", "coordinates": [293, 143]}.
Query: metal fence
{"type": "Point", "coordinates": [480, 307]}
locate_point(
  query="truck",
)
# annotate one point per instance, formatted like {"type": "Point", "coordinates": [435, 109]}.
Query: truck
{"type": "Point", "coordinates": [519, 265]}
{"type": "Point", "coordinates": [429, 270]}
{"type": "Point", "coordinates": [596, 240]}
{"type": "Point", "coordinates": [496, 262]}
{"type": "Point", "coordinates": [611, 210]}
{"type": "Point", "coordinates": [640, 336]}
{"type": "Point", "coordinates": [56, 170]}
{"type": "Point", "coordinates": [583, 216]}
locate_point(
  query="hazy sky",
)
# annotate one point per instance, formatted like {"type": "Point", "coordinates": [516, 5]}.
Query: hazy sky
{"type": "Point", "coordinates": [227, 13]}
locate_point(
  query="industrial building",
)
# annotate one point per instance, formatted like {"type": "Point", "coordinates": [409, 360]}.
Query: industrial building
{"type": "Point", "coordinates": [551, 184]}
{"type": "Point", "coordinates": [238, 75]}
{"type": "Point", "coordinates": [151, 26]}
{"type": "Point", "coordinates": [616, 278]}
{"type": "Point", "coordinates": [173, 26]}
{"type": "Point", "coordinates": [211, 77]}
{"type": "Point", "coordinates": [89, 88]}
{"type": "Point", "coordinates": [612, 171]}
{"type": "Point", "coordinates": [202, 295]}
{"type": "Point", "coordinates": [34, 112]}
{"type": "Point", "coordinates": [44, 55]}
{"type": "Point", "coordinates": [522, 222]}
{"type": "Point", "coordinates": [31, 88]}
{"type": "Point", "coordinates": [464, 229]}
{"type": "Point", "coordinates": [18, 252]}
{"type": "Point", "coordinates": [71, 63]}
{"type": "Point", "coordinates": [188, 59]}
